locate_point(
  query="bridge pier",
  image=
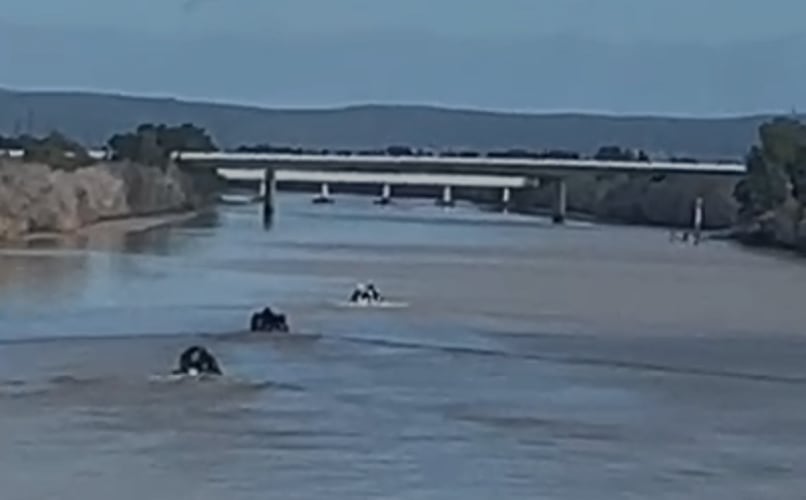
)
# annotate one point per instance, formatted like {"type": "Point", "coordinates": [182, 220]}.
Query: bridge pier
{"type": "Point", "coordinates": [386, 195]}
{"type": "Point", "coordinates": [506, 197]}
{"type": "Point", "coordinates": [560, 201]}
{"type": "Point", "coordinates": [324, 194]}
{"type": "Point", "coordinates": [447, 197]}
{"type": "Point", "coordinates": [698, 216]}
{"type": "Point", "coordinates": [268, 189]}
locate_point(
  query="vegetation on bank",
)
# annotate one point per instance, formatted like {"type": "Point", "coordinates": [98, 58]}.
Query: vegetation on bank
{"type": "Point", "coordinates": [776, 169]}
{"type": "Point", "coordinates": [153, 144]}
{"type": "Point", "coordinates": [605, 153]}
{"type": "Point", "coordinates": [148, 144]}
{"type": "Point", "coordinates": [54, 150]}
{"type": "Point", "coordinates": [772, 195]}
{"type": "Point", "coordinates": [63, 188]}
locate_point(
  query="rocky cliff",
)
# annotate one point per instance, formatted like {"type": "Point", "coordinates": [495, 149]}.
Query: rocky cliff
{"type": "Point", "coordinates": [37, 198]}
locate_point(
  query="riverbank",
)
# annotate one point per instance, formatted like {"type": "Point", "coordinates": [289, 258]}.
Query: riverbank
{"type": "Point", "coordinates": [783, 227]}
{"type": "Point", "coordinates": [105, 234]}
{"type": "Point", "coordinates": [38, 201]}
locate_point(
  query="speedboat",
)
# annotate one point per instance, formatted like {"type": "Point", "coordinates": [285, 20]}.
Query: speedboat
{"type": "Point", "coordinates": [268, 321]}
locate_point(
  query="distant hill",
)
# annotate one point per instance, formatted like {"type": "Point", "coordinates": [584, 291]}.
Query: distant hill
{"type": "Point", "coordinates": [92, 118]}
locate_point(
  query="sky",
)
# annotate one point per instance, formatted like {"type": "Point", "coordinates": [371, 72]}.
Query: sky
{"type": "Point", "coordinates": [682, 57]}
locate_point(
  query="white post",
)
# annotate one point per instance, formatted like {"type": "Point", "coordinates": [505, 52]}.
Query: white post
{"type": "Point", "coordinates": [447, 197]}
{"type": "Point", "coordinates": [560, 201]}
{"type": "Point", "coordinates": [506, 196]}
{"type": "Point", "coordinates": [268, 187]}
{"type": "Point", "coordinates": [324, 194]}
{"type": "Point", "coordinates": [262, 192]}
{"type": "Point", "coordinates": [698, 216]}
{"type": "Point", "coordinates": [386, 195]}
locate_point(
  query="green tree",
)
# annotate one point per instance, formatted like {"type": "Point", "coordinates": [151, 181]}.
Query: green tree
{"type": "Point", "coordinates": [153, 144]}
{"type": "Point", "coordinates": [776, 168]}
{"type": "Point", "coordinates": [9, 143]}
{"type": "Point", "coordinates": [784, 142]}
{"type": "Point", "coordinates": [55, 150]}
{"type": "Point", "coordinates": [763, 188]}
{"type": "Point", "coordinates": [616, 153]}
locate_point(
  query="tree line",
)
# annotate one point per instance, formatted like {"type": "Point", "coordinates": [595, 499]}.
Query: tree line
{"type": "Point", "coordinates": [610, 153]}
{"type": "Point", "coordinates": [152, 144]}
{"type": "Point", "coordinates": [148, 144]}
{"type": "Point", "coordinates": [54, 149]}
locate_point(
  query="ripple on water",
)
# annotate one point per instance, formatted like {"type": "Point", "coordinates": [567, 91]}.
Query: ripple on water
{"type": "Point", "coordinates": [72, 390]}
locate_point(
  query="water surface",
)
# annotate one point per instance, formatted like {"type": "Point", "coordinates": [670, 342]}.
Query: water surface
{"type": "Point", "coordinates": [577, 362]}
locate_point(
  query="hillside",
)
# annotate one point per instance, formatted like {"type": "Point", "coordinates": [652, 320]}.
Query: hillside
{"type": "Point", "coordinates": [91, 118]}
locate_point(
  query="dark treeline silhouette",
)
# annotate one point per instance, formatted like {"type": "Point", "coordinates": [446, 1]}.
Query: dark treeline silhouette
{"type": "Point", "coordinates": [776, 170]}
{"type": "Point", "coordinates": [617, 153]}
{"type": "Point", "coordinates": [12, 142]}
{"type": "Point", "coordinates": [686, 159]}
{"type": "Point", "coordinates": [265, 148]}
{"type": "Point", "coordinates": [612, 153]}
{"type": "Point", "coordinates": [53, 149]}
{"type": "Point", "coordinates": [149, 144]}
{"type": "Point", "coordinates": [152, 144]}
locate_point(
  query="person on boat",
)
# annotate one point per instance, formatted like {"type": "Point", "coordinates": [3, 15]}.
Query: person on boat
{"type": "Point", "coordinates": [372, 293]}
{"type": "Point", "coordinates": [268, 321]}
{"type": "Point", "coordinates": [197, 360]}
{"type": "Point", "coordinates": [359, 293]}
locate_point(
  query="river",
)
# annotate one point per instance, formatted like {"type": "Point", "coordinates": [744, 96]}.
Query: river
{"type": "Point", "coordinates": [577, 362]}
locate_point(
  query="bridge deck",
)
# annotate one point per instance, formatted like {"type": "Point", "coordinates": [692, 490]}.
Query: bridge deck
{"type": "Point", "coordinates": [440, 164]}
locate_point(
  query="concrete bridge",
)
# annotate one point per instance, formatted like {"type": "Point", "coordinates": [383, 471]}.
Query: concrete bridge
{"type": "Point", "coordinates": [447, 164]}
{"type": "Point", "coordinates": [426, 170]}
{"type": "Point", "coordinates": [447, 172]}
{"type": "Point", "coordinates": [386, 180]}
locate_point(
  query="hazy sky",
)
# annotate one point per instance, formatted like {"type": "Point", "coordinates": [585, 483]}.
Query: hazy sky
{"type": "Point", "coordinates": [623, 19]}
{"type": "Point", "coordinates": [624, 56]}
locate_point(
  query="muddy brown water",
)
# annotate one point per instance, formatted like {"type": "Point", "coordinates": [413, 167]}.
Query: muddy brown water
{"type": "Point", "coordinates": [582, 362]}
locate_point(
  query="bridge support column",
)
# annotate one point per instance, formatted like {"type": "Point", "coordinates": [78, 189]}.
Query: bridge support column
{"type": "Point", "coordinates": [506, 197]}
{"type": "Point", "coordinates": [263, 189]}
{"type": "Point", "coordinates": [324, 194]}
{"type": "Point", "coordinates": [698, 216]}
{"type": "Point", "coordinates": [386, 195]}
{"type": "Point", "coordinates": [560, 201]}
{"type": "Point", "coordinates": [268, 189]}
{"type": "Point", "coordinates": [447, 197]}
